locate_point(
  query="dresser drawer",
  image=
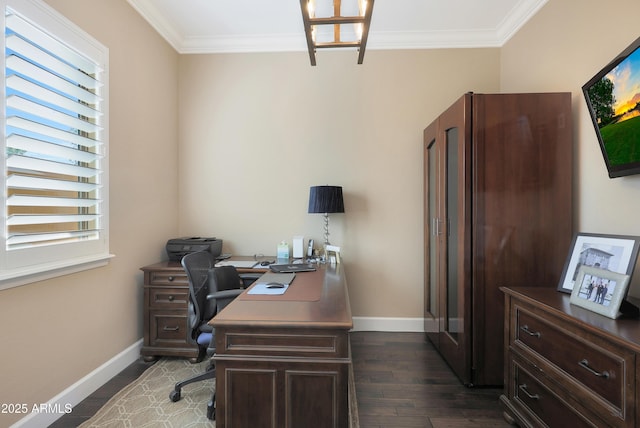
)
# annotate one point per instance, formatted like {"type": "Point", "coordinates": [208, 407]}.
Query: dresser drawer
{"type": "Point", "coordinates": [601, 368]}
{"type": "Point", "coordinates": [168, 298]}
{"type": "Point", "coordinates": [540, 404]}
{"type": "Point", "coordinates": [165, 277]}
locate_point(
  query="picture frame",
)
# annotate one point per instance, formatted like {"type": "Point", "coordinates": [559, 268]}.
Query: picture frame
{"type": "Point", "coordinates": [599, 290]}
{"type": "Point", "coordinates": [614, 253]}
{"type": "Point", "coordinates": [332, 254]}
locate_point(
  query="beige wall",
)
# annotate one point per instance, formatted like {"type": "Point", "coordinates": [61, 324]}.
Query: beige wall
{"type": "Point", "coordinates": [256, 130]}
{"type": "Point", "coordinates": [560, 49]}
{"type": "Point", "coordinates": [55, 332]}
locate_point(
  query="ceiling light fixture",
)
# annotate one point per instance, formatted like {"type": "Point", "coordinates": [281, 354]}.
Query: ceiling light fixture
{"type": "Point", "coordinates": [349, 31]}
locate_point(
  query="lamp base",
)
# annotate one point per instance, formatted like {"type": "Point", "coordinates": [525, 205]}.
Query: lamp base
{"type": "Point", "coordinates": [326, 229]}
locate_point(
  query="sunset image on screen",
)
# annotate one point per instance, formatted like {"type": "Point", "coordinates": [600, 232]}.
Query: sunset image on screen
{"type": "Point", "coordinates": [626, 87]}
{"type": "Point", "coordinates": [615, 102]}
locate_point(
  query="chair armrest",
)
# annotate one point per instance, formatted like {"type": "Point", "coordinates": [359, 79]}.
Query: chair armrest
{"type": "Point", "coordinates": [253, 276]}
{"type": "Point", "coordinates": [249, 278]}
{"type": "Point", "coordinates": [225, 294]}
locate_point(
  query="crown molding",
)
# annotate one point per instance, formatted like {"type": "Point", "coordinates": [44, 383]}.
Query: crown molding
{"type": "Point", "coordinates": [157, 20]}
{"type": "Point", "coordinates": [516, 19]}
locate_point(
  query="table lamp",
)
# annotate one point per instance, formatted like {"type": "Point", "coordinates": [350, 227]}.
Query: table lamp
{"type": "Point", "coordinates": [326, 200]}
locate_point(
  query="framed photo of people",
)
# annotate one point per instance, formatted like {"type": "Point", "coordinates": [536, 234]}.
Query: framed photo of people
{"type": "Point", "coordinates": [614, 253]}
{"type": "Point", "coordinates": [599, 290]}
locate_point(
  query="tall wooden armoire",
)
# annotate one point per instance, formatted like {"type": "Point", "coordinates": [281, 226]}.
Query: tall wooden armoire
{"type": "Point", "coordinates": [498, 212]}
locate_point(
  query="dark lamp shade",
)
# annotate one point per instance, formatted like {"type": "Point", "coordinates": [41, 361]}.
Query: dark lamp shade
{"type": "Point", "coordinates": [326, 199]}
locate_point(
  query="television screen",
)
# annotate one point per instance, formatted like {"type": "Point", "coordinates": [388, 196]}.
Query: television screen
{"type": "Point", "coordinates": [613, 98]}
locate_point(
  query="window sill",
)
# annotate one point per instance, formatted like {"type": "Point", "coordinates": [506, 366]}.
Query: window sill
{"type": "Point", "coordinates": [28, 275]}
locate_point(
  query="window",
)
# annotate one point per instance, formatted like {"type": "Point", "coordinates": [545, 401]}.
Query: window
{"type": "Point", "coordinates": [55, 139]}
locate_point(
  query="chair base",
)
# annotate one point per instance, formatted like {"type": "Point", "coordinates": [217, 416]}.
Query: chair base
{"type": "Point", "coordinates": [211, 408]}
{"type": "Point", "coordinates": [176, 394]}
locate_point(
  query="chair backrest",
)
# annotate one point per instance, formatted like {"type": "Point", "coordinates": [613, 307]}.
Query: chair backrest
{"type": "Point", "coordinates": [224, 278]}
{"type": "Point", "coordinates": [197, 266]}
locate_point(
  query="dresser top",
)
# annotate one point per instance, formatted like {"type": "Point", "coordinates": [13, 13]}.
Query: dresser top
{"type": "Point", "coordinates": [625, 329]}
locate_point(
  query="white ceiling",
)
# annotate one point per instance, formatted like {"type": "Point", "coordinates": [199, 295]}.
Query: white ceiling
{"type": "Point", "coordinates": [216, 26]}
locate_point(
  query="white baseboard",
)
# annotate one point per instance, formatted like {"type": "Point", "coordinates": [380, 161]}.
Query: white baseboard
{"type": "Point", "coordinates": [388, 324]}
{"type": "Point", "coordinates": [64, 402]}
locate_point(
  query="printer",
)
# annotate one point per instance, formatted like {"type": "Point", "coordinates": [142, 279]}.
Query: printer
{"type": "Point", "coordinates": [177, 248]}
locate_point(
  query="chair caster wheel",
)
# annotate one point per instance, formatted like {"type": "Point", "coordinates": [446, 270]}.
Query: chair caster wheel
{"type": "Point", "coordinates": [211, 410]}
{"type": "Point", "coordinates": [211, 414]}
{"type": "Point", "coordinates": [174, 396]}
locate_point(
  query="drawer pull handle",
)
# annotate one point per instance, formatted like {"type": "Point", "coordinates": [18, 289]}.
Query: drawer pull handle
{"type": "Point", "coordinates": [171, 278]}
{"type": "Point", "coordinates": [523, 388]}
{"type": "Point", "coordinates": [525, 328]}
{"type": "Point", "coordinates": [171, 297]}
{"type": "Point", "coordinates": [176, 328]}
{"type": "Point", "coordinates": [585, 364]}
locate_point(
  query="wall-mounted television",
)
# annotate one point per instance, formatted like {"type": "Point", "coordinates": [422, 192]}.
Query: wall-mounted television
{"type": "Point", "coordinates": [613, 98]}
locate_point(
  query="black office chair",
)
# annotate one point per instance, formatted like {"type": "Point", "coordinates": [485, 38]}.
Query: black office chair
{"type": "Point", "coordinates": [210, 290]}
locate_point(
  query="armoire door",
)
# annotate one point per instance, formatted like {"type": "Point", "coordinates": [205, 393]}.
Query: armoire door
{"type": "Point", "coordinates": [448, 188]}
{"type": "Point", "coordinates": [432, 229]}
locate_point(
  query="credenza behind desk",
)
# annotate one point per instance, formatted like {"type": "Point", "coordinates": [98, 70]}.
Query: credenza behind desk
{"type": "Point", "coordinates": [166, 295]}
{"type": "Point", "coordinates": [284, 361]}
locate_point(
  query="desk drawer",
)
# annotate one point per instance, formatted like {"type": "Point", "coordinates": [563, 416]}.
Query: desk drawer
{"type": "Point", "coordinates": [601, 367]}
{"type": "Point", "coordinates": [167, 329]}
{"type": "Point", "coordinates": [163, 277]}
{"type": "Point", "coordinates": [282, 343]}
{"type": "Point", "coordinates": [168, 298]}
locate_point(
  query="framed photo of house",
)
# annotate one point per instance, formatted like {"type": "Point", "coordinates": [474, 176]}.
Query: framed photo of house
{"type": "Point", "coordinates": [599, 290]}
{"type": "Point", "coordinates": [614, 253]}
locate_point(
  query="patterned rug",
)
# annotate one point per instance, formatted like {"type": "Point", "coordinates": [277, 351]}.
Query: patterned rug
{"type": "Point", "coordinates": [145, 402]}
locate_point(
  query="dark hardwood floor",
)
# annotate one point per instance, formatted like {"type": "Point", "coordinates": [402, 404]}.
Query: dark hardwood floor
{"type": "Point", "coordinates": [401, 382]}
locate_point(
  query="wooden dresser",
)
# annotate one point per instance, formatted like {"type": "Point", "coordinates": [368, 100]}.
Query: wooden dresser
{"type": "Point", "coordinates": [166, 294]}
{"type": "Point", "coordinates": [567, 366]}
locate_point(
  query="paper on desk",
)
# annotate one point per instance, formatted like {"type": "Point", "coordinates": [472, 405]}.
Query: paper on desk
{"type": "Point", "coordinates": [262, 288]}
{"type": "Point", "coordinates": [238, 263]}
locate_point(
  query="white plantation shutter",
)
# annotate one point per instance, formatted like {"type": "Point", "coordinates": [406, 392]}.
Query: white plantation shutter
{"type": "Point", "coordinates": [55, 143]}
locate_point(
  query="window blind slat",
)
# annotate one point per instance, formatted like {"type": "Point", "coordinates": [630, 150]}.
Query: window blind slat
{"type": "Point", "coordinates": [35, 165]}
{"type": "Point", "coordinates": [30, 126]}
{"type": "Point", "coordinates": [46, 113]}
{"type": "Point", "coordinates": [43, 201]}
{"type": "Point", "coordinates": [15, 220]}
{"type": "Point", "coordinates": [40, 38]}
{"type": "Point", "coordinates": [38, 74]}
{"type": "Point", "coordinates": [36, 91]}
{"type": "Point", "coordinates": [21, 239]}
{"type": "Point", "coordinates": [28, 182]}
{"type": "Point", "coordinates": [43, 148]}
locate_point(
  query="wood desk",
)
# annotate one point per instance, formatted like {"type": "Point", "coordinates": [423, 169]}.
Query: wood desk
{"type": "Point", "coordinates": [284, 361]}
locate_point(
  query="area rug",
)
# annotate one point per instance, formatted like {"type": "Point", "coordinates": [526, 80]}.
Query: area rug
{"type": "Point", "coordinates": [145, 402]}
